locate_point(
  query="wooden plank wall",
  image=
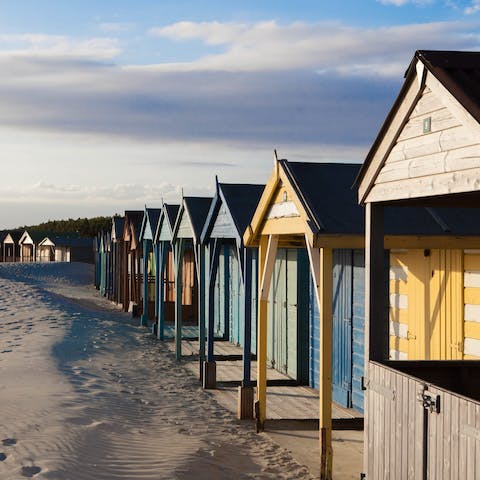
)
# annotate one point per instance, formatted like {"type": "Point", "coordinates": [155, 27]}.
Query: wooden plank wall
{"type": "Point", "coordinates": [430, 163]}
{"type": "Point", "coordinates": [471, 281]}
{"type": "Point", "coordinates": [395, 425]}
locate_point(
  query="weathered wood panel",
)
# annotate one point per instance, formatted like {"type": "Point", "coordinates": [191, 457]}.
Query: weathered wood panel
{"type": "Point", "coordinates": [223, 226]}
{"type": "Point", "coordinates": [184, 228]}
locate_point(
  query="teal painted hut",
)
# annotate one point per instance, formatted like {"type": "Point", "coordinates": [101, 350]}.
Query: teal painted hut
{"type": "Point", "coordinates": [231, 280]}
{"type": "Point", "coordinates": [147, 232]}
{"type": "Point", "coordinates": [164, 268]}
{"type": "Point", "coordinates": [187, 238]}
{"type": "Point", "coordinates": [117, 258]}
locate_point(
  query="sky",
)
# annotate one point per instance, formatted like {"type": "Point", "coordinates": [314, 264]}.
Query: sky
{"type": "Point", "coordinates": [114, 104]}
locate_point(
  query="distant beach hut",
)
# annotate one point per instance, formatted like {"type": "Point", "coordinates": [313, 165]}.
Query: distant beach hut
{"type": "Point", "coordinates": [11, 248]}
{"type": "Point", "coordinates": [189, 262]}
{"type": "Point", "coordinates": [164, 268]}
{"type": "Point", "coordinates": [150, 220]}
{"type": "Point", "coordinates": [231, 280]}
{"type": "Point", "coordinates": [422, 416]}
{"type": "Point", "coordinates": [132, 261]}
{"type": "Point", "coordinates": [117, 258]}
{"type": "Point", "coordinates": [46, 250]}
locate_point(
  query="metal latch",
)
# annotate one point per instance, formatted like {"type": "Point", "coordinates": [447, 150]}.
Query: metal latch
{"type": "Point", "coordinates": [429, 402]}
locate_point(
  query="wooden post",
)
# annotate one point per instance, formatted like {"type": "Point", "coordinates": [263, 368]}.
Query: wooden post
{"type": "Point", "coordinates": [163, 251]}
{"type": "Point", "coordinates": [147, 244]}
{"type": "Point", "coordinates": [266, 255]}
{"type": "Point", "coordinates": [200, 254]}
{"type": "Point", "coordinates": [179, 244]}
{"type": "Point", "coordinates": [325, 296]}
{"type": "Point", "coordinates": [210, 368]}
{"type": "Point", "coordinates": [245, 391]}
{"type": "Point", "coordinates": [375, 345]}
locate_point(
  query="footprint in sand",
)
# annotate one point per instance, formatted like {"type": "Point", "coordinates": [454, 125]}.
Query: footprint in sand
{"type": "Point", "coordinates": [3, 457]}
{"type": "Point", "coordinates": [9, 442]}
{"type": "Point", "coordinates": [30, 471]}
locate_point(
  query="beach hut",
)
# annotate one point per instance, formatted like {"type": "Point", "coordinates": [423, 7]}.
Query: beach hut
{"type": "Point", "coordinates": [96, 260]}
{"type": "Point", "coordinates": [46, 250]}
{"type": "Point", "coordinates": [117, 258]}
{"type": "Point", "coordinates": [11, 248]}
{"type": "Point", "coordinates": [190, 272]}
{"type": "Point", "coordinates": [422, 416]}
{"type": "Point", "coordinates": [164, 268]}
{"type": "Point", "coordinates": [147, 231]}
{"type": "Point", "coordinates": [132, 261]}
{"type": "Point", "coordinates": [103, 253]}
{"type": "Point", "coordinates": [231, 294]}
{"type": "Point", "coordinates": [28, 244]}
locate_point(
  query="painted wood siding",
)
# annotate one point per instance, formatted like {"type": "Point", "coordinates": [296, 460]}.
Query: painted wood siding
{"type": "Point", "coordinates": [288, 314]}
{"type": "Point", "coordinates": [439, 161]}
{"type": "Point", "coordinates": [427, 304]}
{"type": "Point", "coordinates": [223, 227]}
{"type": "Point", "coordinates": [400, 433]}
{"type": "Point", "coordinates": [185, 227]}
{"type": "Point", "coordinates": [349, 341]}
{"type": "Point", "coordinates": [235, 299]}
{"type": "Point", "coordinates": [471, 282]}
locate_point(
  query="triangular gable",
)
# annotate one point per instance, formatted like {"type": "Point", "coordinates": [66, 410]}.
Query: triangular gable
{"type": "Point", "coordinates": [149, 223]}
{"type": "Point", "coordinates": [9, 239]}
{"type": "Point", "coordinates": [183, 225]}
{"type": "Point", "coordinates": [26, 239]}
{"type": "Point", "coordinates": [191, 218]}
{"type": "Point", "coordinates": [279, 211]}
{"type": "Point", "coordinates": [166, 223]}
{"type": "Point", "coordinates": [46, 242]}
{"type": "Point", "coordinates": [428, 145]}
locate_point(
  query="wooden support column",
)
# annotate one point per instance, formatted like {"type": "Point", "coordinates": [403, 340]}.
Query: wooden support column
{"type": "Point", "coordinates": [376, 342]}
{"type": "Point", "coordinates": [147, 245]}
{"type": "Point", "coordinates": [157, 253]}
{"type": "Point", "coordinates": [163, 251]}
{"type": "Point", "coordinates": [210, 368]}
{"type": "Point", "coordinates": [178, 248]}
{"type": "Point", "coordinates": [267, 253]}
{"type": "Point", "coordinates": [200, 264]}
{"type": "Point", "coordinates": [245, 391]}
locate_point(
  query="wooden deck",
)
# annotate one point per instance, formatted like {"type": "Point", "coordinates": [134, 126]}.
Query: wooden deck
{"type": "Point", "coordinates": [285, 402]}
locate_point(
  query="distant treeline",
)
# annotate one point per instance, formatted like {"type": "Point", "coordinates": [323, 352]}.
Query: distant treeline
{"type": "Point", "coordinates": [84, 227]}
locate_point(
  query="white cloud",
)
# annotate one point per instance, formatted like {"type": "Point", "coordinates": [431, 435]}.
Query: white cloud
{"type": "Point", "coordinates": [473, 8]}
{"type": "Point", "coordinates": [32, 44]}
{"type": "Point", "coordinates": [268, 46]}
{"type": "Point", "coordinates": [400, 3]}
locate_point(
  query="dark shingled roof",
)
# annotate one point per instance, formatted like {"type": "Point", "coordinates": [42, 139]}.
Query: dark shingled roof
{"type": "Point", "coordinates": [172, 212]}
{"type": "Point", "coordinates": [242, 201]}
{"type": "Point", "coordinates": [153, 217]}
{"type": "Point", "coordinates": [459, 72]}
{"type": "Point", "coordinates": [198, 208]}
{"type": "Point", "coordinates": [326, 193]}
{"type": "Point", "coordinates": [135, 218]}
{"type": "Point", "coordinates": [118, 225]}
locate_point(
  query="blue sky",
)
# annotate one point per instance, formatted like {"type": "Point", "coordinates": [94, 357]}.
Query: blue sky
{"type": "Point", "coordinates": [116, 104]}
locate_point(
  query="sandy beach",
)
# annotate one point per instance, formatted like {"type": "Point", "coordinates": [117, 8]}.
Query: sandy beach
{"type": "Point", "coordinates": [85, 393]}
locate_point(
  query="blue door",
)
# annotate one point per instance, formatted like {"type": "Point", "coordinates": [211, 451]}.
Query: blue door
{"type": "Point", "coordinates": [342, 326]}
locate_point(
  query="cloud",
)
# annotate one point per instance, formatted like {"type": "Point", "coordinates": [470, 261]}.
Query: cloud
{"type": "Point", "coordinates": [299, 45]}
{"type": "Point", "coordinates": [473, 8]}
{"type": "Point", "coordinates": [41, 45]}
{"type": "Point", "coordinates": [400, 3]}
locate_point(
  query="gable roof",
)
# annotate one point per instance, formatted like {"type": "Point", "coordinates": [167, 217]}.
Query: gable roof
{"type": "Point", "coordinates": [197, 210]}
{"type": "Point", "coordinates": [168, 214]}
{"type": "Point", "coordinates": [456, 72]}
{"type": "Point", "coordinates": [118, 224]}
{"type": "Point", "coordinates": [324, 191]}
{"type": "Point", "coordinates": [150, 217]}
{"type": "Point", "coordinates": [133, 222]}
{"type": "Point", "coordinates": [240, 199]}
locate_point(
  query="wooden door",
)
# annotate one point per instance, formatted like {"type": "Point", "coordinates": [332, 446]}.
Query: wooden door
{"type": "Point", "coordinates": [342, 327]}
{"type": "Point", "coordinates": [235, 302]}
{"type": "Point", "coordinates": [435, 304]}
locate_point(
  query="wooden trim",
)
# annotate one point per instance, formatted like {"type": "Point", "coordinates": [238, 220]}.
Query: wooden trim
{"type": "Point", "coordinates": [269, 265]}
{"type": "Point", "coordinates": [377, 159]}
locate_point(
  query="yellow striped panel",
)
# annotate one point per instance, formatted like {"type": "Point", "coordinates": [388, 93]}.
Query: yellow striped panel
{"type": "Point", "coordinates": [399, 344]}
{"type": "Point", "coordinates": [398, 315]}
{"type": "Point", "coordinates": [472, 262]}
{"type": "Point", "coordinates": [472, 330]}
{"type": "Point", "coordinates": [470, 357]}
{"type": "Point", "coordinates": [472, 295]}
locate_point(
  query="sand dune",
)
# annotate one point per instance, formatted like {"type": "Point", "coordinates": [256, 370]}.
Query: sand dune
{"type": "Point", "coordinates": [85, 393]}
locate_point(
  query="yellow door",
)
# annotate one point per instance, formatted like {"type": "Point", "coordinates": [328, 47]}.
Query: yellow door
{"type": "Point", "coordinates": [435, 307]}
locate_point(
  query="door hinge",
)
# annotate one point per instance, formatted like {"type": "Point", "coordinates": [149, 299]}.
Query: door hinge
{"type": "Point", "coordinates": [429, 402]}
{"type": "Point", "coordinates": [363, 384]}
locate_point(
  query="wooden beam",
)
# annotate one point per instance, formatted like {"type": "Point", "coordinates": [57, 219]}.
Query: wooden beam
{"type": "Point", "coordinates": [269, 264]}
{"type": "Point", "coordinates": [147, 245]}
{"type": "Point", "coordinates": [162, 254]}
{"type": "Point", "coordinates": [201, 303]}
{"type": "Point", "coordinates": [178, 247]}
{"type": "Point", "coordinates": [325, 300]}
{"type": "Point", "coordinates": [261, 404]}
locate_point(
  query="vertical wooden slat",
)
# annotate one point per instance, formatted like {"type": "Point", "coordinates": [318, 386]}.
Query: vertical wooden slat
{"type": "Point", "coordinates": [462, 457]}
{"type": "Point", "coordinates": [446, 413]}
{"type": "Point", "coordinates": [455, 442]}
{"type": "Point", "coordinates": [399, 426]}
{"type": "Point", "coordinates": [471, 443]}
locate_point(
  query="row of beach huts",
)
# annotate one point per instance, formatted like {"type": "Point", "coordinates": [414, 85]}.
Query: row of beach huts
{"type": "Point", "coordinates": [359, 281]}
{"type": "Point", "coordinates": [24, 245]}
